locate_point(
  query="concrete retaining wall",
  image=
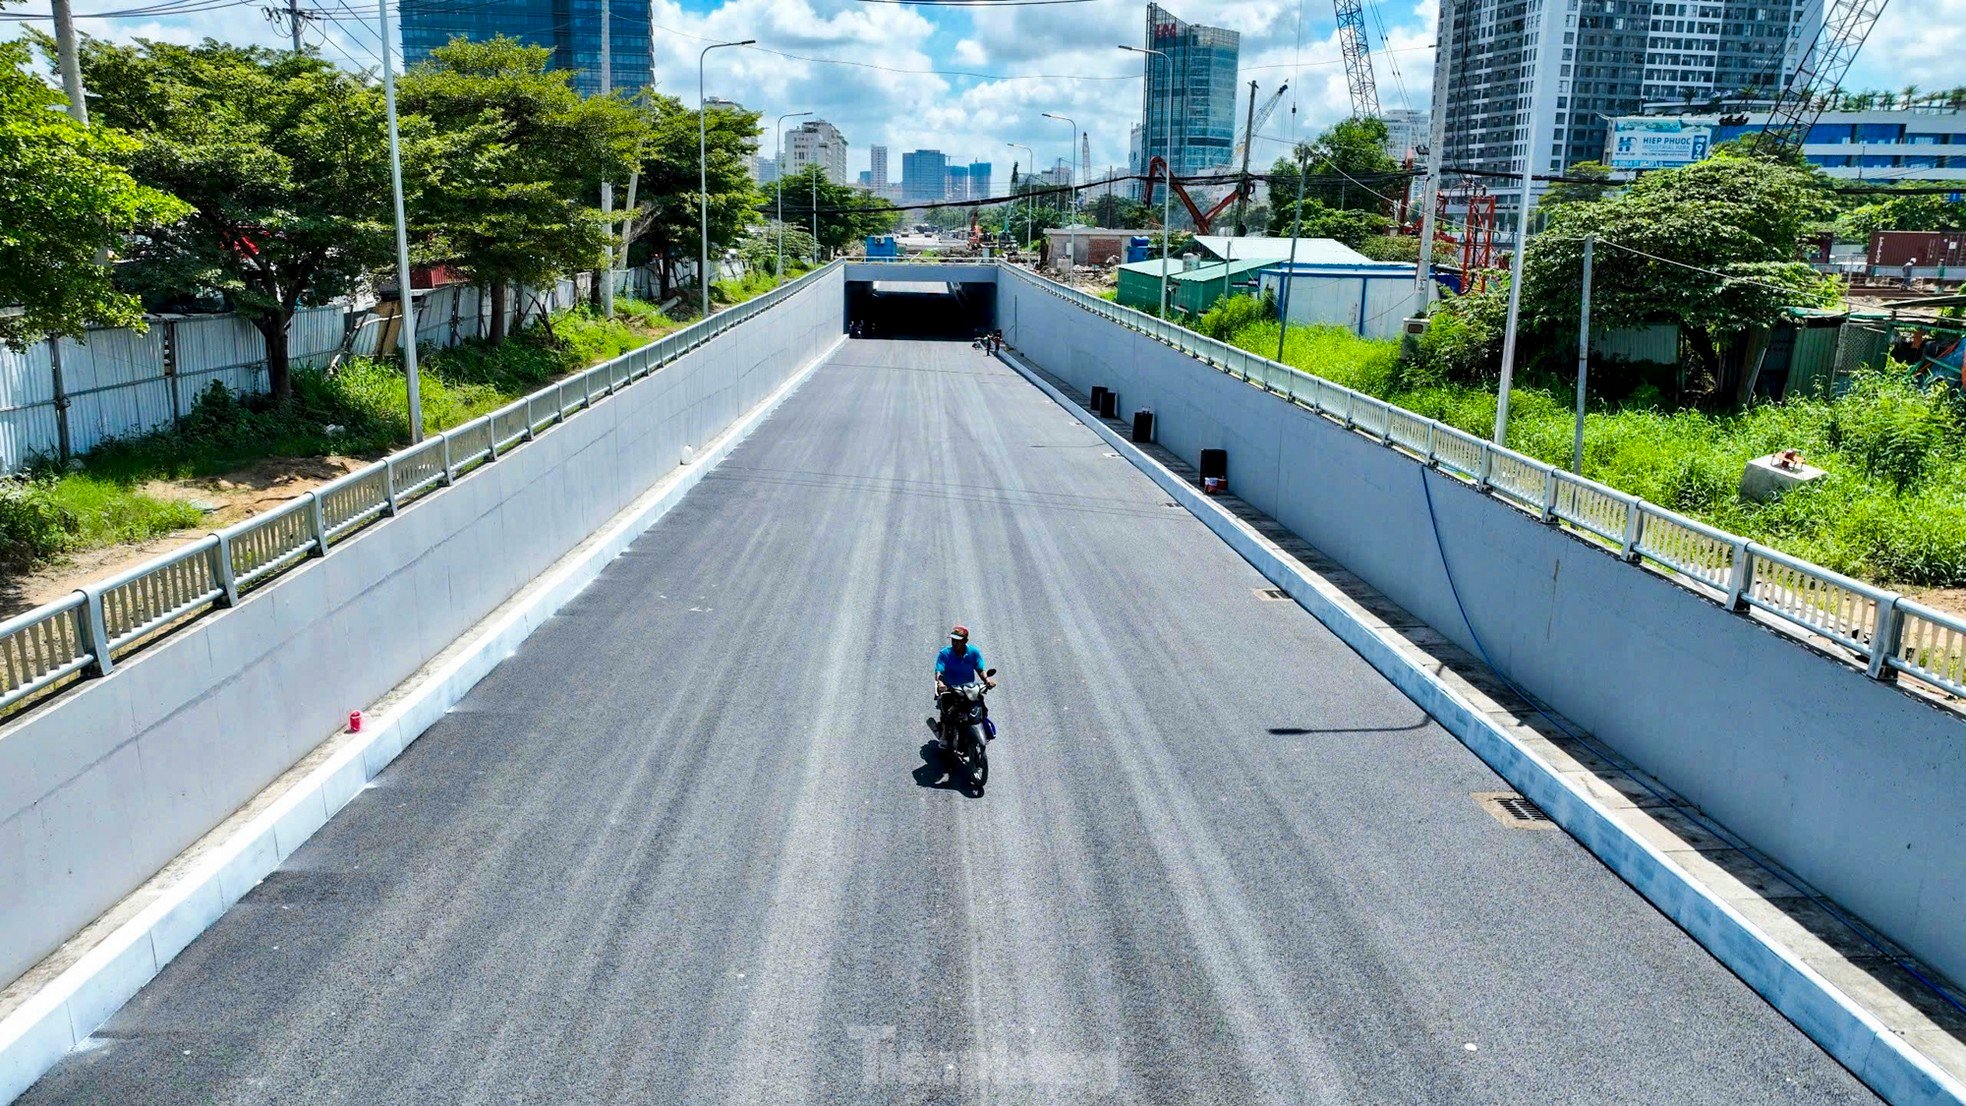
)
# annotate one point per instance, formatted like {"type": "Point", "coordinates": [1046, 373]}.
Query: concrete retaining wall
{"type": "Point", "coordinates": [1856, 786]}
{"type": "Point", "coordinates": [101, 787]}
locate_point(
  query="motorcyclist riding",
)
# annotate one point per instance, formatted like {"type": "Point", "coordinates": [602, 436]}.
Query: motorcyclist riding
{"type": "Point", "coordinates": [957, 664]}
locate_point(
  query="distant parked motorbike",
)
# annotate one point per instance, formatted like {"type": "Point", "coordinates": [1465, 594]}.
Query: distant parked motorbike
{"type": "Point", "coordinates": [966, 729]}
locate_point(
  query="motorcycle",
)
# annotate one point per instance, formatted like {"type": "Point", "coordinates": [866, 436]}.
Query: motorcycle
{"type": "Point", "coordinates": [967, 728]}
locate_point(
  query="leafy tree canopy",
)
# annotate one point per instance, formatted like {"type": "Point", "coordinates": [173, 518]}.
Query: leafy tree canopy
{"type": "Point", "coordinates": [1119, 212]}
{"type": "Point", "coordinates": [511, 159]}
{"type": "Point", "coordinates": [275, 154]}
{"type": "Point", "coordinates": [1347, 169]}
{"type": "Point", "coordinates": [63, 198]}
{"type": "Point", "coordinates": [1710, 247]}
{"type": "Point", "coordinates": [1569, 192]}
{"type": "Point", "coordinates": [1315, 220]}
{"type": "Point", "coordinates": [667, 215]}
{"type": "Point", "coordinates": [846, 214]}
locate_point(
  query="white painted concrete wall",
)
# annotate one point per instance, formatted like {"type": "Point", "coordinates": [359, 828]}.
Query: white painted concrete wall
{"type": "Point", "coordinates": [102, 786]}
{"type": "Point", "coordinates": [1855, 785]}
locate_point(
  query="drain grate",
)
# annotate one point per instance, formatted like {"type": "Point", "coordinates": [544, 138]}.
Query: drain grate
{"type": "Point", "coordinates": [1176, 506]}
{"type": "Point", "coordinates": [1272, 595]}
{"type": "Point", "coordinates": [1513, 811]}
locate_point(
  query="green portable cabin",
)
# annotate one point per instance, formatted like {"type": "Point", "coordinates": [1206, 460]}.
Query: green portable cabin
{"type": "Point", "coordinates": [1139, 283]}
{"type": "Point", "coordinates": [1190, 291]}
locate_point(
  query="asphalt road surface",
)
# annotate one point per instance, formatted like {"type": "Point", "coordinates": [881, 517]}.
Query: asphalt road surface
{"type": "Point", "coordinates": [688, 845]}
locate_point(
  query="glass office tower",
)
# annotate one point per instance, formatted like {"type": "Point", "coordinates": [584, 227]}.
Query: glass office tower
{"type": "Point", "coordinates": [1200, 105]}
{"type": "Point", "coordinates": [570, 28]}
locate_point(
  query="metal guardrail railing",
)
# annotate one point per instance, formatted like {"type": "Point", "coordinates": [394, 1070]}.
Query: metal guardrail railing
{"type": "Point", "coordinates": [84, 634]}
{"type": "Point", "coordinates": [1884, 632]}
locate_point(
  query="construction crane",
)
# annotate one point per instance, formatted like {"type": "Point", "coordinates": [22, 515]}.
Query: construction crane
{"type": "Point", "coordinates": [1358, 60]}
{"type": "Point", "coordinates": [1846, 24]}
{"type": "Point", "coordinates": [1257, 117]}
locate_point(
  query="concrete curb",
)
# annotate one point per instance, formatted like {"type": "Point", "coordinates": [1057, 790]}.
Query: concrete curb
{"type": "Point", "coordinates": [1879, 1057]}
{"type": "Point", "coordinates": [72, 1005]}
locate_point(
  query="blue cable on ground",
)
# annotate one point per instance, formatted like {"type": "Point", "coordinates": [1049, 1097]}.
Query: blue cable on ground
{"type": "Point", "coordinates": [1612, 757]}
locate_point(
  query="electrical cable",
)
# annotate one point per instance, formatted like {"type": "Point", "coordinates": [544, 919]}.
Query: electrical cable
{"type": "Point", "coordinates": [1612, 757]}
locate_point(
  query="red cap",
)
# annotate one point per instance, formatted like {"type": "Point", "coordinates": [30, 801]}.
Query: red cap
{"type": "Point", "coordinates": [961, 632]}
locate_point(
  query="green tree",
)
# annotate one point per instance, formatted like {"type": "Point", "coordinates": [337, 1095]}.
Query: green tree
{"type": "Point", "coordinates": [1560, 193]}
{"type": "Point", "coordinates": [1348, 169]}
{"type": "Point", "coordinates": [1315, 220]}
{"type": "Point", "coordinates": [512, 159]}
{"type": "Point", "coordinates": [275, 154]}
{"type": "Point", "coordinates": [63, 199]}
{"type": "Point", "coordinates": [1117, 212]}
{"type": "Point", "coordinates": [1916, 212]}
{"type": "Point", "coordinates": [667, 218]}
{"type": "Point", "coordinates": [1710, 247]}
{"type": "Point", "coordinates": [846, 214]}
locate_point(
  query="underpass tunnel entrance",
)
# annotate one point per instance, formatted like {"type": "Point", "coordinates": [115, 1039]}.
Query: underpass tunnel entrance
{"type": "Point", "coordinates": [931, 309]}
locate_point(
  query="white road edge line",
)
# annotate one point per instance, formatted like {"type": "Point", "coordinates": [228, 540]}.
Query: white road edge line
{"type": "Point", "coordinates": [70, 1006]}
{"type": "Point", "coordinates": [1880, 1058]}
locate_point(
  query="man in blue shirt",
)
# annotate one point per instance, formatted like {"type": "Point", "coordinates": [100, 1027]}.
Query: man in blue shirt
{"type": "Point", "coordinates": [958, 664]}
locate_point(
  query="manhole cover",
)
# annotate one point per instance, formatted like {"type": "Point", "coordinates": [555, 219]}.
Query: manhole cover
{"type": "Point", "coordinates": [1272, 594]}
{"type": "Point", "coordinates": [1513, 811]}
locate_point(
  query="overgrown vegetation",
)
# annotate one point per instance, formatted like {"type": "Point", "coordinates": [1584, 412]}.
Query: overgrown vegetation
{"type": "Point", "coordinates": [360, 409]}
{"type": "Point", "coordinates": [1892, 507]}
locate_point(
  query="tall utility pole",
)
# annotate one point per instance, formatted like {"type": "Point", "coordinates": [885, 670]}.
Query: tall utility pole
{"type": "Point", "coordinates": [69, 62]}
{"type": "Point", "coordinates": [1533, 146]}
{"type": "Point", "coordinates": [407, 316]}
{"type": "Point", "coordinates": [703, 171]}
{"type": "Point", "coordinates": [819, 170]}
{"type": "Point", "coordinates": [1242, 180]}
{"type": "Point", "coordinates": [1583, 356]}
{"type": "Point", "coordinates": [1028, 198]}
{"type": "Point", "coordinates": [606, 275]}
{"type": "Point", "coordinates": [1167, 199]}
{"type": "Point", "coordinates": [294, 18]}
{"type": "Point", "coordinates": [778, 177]}
{"type": "Point", "coordinates": [1423, 273]}
{"type": "Point", "coordinates": [1296, 232]}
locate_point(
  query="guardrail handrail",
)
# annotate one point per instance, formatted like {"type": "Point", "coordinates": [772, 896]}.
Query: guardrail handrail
{"type": "Point", "coordinates": [87, 630]}
{"type": "Point", "coordinates": [1885, 631]}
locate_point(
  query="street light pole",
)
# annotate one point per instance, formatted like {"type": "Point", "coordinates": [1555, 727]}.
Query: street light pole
{"type": "Point", "coordinates": [1532, 147]}
{"type": "Point", "coordinates": [819, 168]}
{"type": "Point", "coordinates": [1296, 232]}
{"type": "Point", "coordinates": [1070, 180]}
{"type": "Point", "coordinates": [1033, 157]}
{"type": "Point", "coordinates": [779, 177]}
{"type": "Point", "coordinates": [703, 170]}
{"type": "Point", "coordinates": [407, 314]}
{"type": "Point", "coordinates": [1167, 197]}
{"type": "Point", "coordinates": [606, 275]}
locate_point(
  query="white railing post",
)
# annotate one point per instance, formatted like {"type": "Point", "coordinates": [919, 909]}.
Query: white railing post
{"type": "Point", "coordinates": [95, 628]}
{"type": "Point", "coordinates": [1884, 641]}
{"type": "Point", "coordinates": [1432, 457]}
{"type": "Point", "coordinates": [1742, 577]}
{"type": "Point", "coordinates": [1549, 495]}
{"type": "Point", "coordinates": [1634, 527]}
{"type": "Point", "coordinates": [228, 584]}
{"type": "Point", "coordinates": [450, 471]}
{"type": "Point", "coordinates": [318, 519]}
{"type": "Point", "coordinates": [389, 484]}
{"type": "Point", "coordinates": [1485, 468]}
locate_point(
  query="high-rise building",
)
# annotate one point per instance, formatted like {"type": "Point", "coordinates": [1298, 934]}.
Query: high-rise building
{"type": "Point", "coordinates": [957, 187]}
{"type": "Point", "coordinates": [979, 180]}
{"type": "Point", "coordinates": [571, 29]}
{"type": "Point", "coordinates": [877, 170]}
{"type": "Point", "coordinates": [1406, 132]}
{"type": "Point", "coordinates": [1607, 59]}
{"type": "Point", "coordinates": [716, 103]}
{"type": "Point", "coordinates": [767, 170]}
{"type": "Point", "coordinates": [924, 175]}
{"type": "Point", "coordinates": [1190, 97]}
{"type": "Point", "coordinates": [816, 142]}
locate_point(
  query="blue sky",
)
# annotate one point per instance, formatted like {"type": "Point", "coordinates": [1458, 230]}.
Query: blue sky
{"type": "Point", "coordinates": [968, 81]}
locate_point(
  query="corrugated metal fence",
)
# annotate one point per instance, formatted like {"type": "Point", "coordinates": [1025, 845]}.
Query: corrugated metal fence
{"type": "Point", "coordinates": [119, 382]}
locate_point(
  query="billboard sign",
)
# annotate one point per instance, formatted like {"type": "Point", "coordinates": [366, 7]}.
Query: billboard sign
{"type": "Point", "coordinates": [1647, 143]}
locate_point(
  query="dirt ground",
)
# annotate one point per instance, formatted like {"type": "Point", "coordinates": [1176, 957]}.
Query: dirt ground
{"type": "Point", "coordinates": [225, 500]}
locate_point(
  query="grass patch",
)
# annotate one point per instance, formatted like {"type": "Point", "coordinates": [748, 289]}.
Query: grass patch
{"type": "Point", "coordinates": [1892, 508]}
{"type": "Point", "coordinates": [753, 284]}
{"type": "Point", "coordinates": [361, 410]}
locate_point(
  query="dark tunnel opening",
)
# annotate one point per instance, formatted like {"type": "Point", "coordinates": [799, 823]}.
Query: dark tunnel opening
{"type": "Point", "coordinates": [921, 309]}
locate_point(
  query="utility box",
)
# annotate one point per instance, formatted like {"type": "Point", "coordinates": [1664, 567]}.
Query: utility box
{"type": "Point", "coordinates": [1771, 477]}
{"type": "Point", "coordinates": [1109, 405]}
{"type": "Point", "coordinates": [1096, 399]}
{"type": "Point", "coordinates": [1143, 425]}
{"type": "Point", "coordinates": [1214, 464]}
